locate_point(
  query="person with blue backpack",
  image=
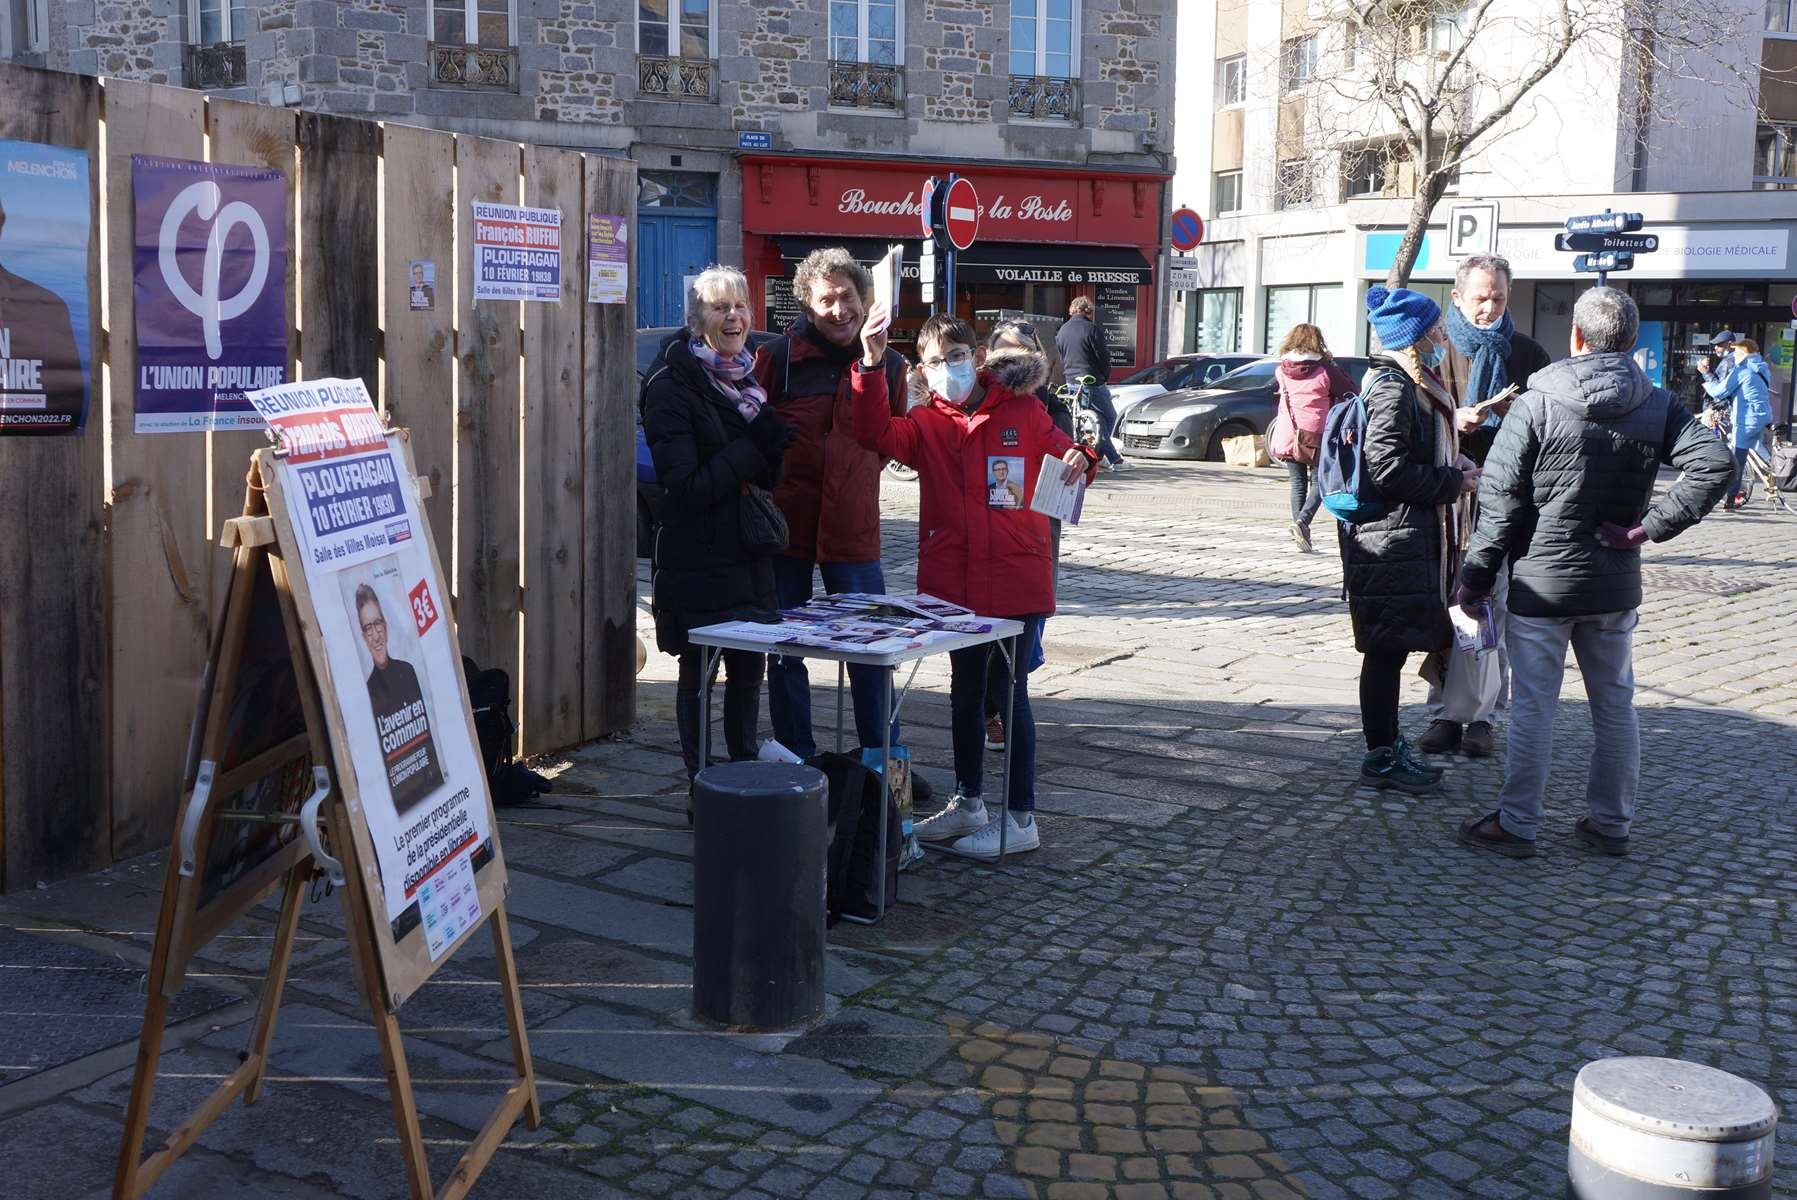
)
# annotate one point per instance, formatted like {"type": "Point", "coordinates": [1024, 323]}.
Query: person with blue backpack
{"type": "Point", "coordinates": [1391, 471]}
{"type": "Point", "coordinates": [1746, 384]}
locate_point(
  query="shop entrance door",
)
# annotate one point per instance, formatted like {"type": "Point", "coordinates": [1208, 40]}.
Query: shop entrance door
{"type": "Point", "coordinates": [677, 237]}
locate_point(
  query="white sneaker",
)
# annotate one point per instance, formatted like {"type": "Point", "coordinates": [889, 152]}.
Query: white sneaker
{"type": "Point", "coordinates": [964, 815]}
{"type": "Point", "coordinates": [1019, 839]}
{"type": "Point", "coordinates": [1122, 464]}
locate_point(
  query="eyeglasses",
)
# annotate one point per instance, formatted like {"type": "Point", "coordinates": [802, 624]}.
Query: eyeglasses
{"type": "Point", "coordinates": [955, 358]}
{"type": "Point", "coordinates": [370, 628]}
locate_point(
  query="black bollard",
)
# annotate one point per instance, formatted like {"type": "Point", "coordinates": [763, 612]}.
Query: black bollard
{"type": "Point", "coordinates": [760, 849]}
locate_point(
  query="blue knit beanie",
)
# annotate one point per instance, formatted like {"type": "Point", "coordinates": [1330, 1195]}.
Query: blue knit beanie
{"type": "Point", "coordinates": [1400, 316]}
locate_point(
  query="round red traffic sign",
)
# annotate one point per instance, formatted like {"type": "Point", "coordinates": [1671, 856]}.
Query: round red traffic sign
{"type": "Point", "coordinates": [929, 192]}
{"type": "Point", "coordinates": [961, 214]}
{"type": "Point", "coordinates": [1188, 229]}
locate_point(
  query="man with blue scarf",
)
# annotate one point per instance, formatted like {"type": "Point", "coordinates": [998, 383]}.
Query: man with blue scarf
{"type": "Point", "coordinates": [1485, 355]}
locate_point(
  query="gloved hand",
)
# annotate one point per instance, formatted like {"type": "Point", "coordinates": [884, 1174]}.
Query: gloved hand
{"type": "Point", "coordinates": [770, 434]}
{"type": "Point", "coordinates": [1619, 537]}
{"type": "Point", "coordinates": [1468, 600]}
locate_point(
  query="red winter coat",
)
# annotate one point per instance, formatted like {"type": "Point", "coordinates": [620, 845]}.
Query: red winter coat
{"type": "Point", "coordinates": [994, 560]}
{"type": "Point", "coordinates": [1306, 388]}
{"type": "Point", "coordinates": [830, 489]}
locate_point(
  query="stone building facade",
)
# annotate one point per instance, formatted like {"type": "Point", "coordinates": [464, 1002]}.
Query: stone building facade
{"type": "Point", "coordinates": [592, 74]}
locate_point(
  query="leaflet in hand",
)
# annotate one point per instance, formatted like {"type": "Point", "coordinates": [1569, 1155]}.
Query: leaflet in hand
{"type": "Point", "coordinates": [1054, 496]}
{"type": "Point", "coordinates": [1476, 635]}
{"type": "Point", "coordinates": [887, 273]}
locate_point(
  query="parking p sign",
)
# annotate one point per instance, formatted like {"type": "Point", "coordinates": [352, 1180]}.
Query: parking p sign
{"type": "Point", "coordinates": [1472, 229]}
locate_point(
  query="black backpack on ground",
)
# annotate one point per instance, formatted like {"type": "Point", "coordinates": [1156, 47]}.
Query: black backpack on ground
{"type": "Point", "coordinates": [856, 796]}
{"type": "Point", "coordinates": [490, 696]}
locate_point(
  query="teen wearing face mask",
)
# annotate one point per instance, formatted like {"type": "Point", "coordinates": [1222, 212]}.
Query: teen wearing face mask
{"type": "Point", "coordinates": [977, 546]}
{"type": "Point", "coordinates": [1399, 570]}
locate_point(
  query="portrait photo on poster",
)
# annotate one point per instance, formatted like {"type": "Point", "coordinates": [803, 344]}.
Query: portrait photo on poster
{"type": "Point", "coordinates": [421, 284]}
{"type": "Point", "coordinates": [45, 358]}
{"type": "Point", "coordinates": [1004, 481]}
{"type": "Point", "coordinates": [398, 686]}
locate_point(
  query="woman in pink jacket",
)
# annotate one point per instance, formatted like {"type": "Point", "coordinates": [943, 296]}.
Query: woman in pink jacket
{"type": "Point", "coordinates": [1309, 382]}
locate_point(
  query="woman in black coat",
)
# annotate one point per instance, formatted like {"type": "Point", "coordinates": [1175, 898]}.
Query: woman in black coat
{"type": "Point", "coordinates": [1398, 569]}
{"type": "Point", "coordinates": [713, 437]}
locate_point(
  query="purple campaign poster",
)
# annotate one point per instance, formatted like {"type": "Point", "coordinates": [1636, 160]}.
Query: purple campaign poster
{"type": "Point", "coordinates": [210, 288]}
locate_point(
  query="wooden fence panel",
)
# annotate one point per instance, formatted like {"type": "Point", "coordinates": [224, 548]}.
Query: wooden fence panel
{"type": "Point", "coordinates": [608, 637]}
{"type": "Point", "coordinates": [418, 224]}
{"type": "Point", "coordinates": [251, 135]}
{"type": "Point", "coordinates": [550, 688]}
{"type": "Point", "coordinates": [339, 300]}
{"type": "Point", "coordinates": [157, 589]}
{"type": "Point", "coordinates": [487, 424]}
{"type": "Point", "coordinates": [53, 661]}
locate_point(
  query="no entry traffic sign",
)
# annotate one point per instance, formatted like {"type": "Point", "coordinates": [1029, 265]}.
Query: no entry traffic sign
{"type": "Point", "coordinates": [961, 217]}
{"type": "Point", "coordinates": [1188, 229]}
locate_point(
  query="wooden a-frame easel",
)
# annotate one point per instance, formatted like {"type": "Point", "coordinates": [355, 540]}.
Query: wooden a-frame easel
{"type": "Point", "coordinates": [190, 917]}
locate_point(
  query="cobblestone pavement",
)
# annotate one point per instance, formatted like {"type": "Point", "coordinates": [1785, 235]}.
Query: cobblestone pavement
{"type": "Point", "coordinates": [1229, 973]}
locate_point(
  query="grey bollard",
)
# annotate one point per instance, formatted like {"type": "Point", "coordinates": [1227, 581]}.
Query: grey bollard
{"type": "Point", "coordinates": [1664, 1129]}
{"type": "Point", "coordinates": [760, 852]}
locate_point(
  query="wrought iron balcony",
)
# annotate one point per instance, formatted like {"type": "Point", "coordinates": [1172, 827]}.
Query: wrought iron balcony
{"type": "Point", "coordinates": [1045, 98]}
{"type": "Point", "coordinates": [217, 65]}
{"type": "Point", "coordinates": [866, 85]}
{"type": "Point", "coordinates": [674, 78]}
{"type": "Point", "coordinates": [478, 68]}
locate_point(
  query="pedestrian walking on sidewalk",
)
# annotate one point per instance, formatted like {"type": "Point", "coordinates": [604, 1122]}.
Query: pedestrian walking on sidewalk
{"type": "Point", "coordinates": [1308, 381]}
{"type": "Point", "coordinates": [1486, 354]}
{"type": "Point", "coordinates": [1086, 355]}
{"type": "Point", "coordinates": [1397, 568]}
{"type": "Point", "coordinates": [1568, 501]}
{"type": "Point", "coordinates": [1743, 385]}
{"type": "Point", "coordinates": [713, 437]}
{"type": "Point", "coordinates": [975, 548]}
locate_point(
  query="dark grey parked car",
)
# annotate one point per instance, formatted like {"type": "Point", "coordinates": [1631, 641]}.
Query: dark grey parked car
{"type": "Point", "coordinates": [1192, 422]}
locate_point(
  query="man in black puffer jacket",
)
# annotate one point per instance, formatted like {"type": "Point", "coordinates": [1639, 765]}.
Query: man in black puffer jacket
{"type": "Point", "coordinates": [1567, 499]}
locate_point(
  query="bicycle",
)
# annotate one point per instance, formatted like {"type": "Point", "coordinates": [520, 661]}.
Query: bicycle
{"type": "Point", "coordinates": [1087, 422]}
{"type": "Point", "coordinates": [1758, 471]}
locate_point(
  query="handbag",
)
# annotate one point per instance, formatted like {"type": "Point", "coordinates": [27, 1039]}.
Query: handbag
{"type": "Point", "coordinates": [760, 523]}
{"type": "Point", "coordinates": [1303, 445]}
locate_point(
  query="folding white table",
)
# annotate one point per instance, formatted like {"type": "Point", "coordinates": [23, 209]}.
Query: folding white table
{"type": "Point", "coordinates": [1004, 632]}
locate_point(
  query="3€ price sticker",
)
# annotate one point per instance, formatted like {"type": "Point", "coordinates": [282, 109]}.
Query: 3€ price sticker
{"type": "Point", "coordinates": [424, 608]}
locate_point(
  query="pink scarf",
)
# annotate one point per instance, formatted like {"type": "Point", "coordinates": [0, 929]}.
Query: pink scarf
{"type": "Point", "coordinates": [731, 377]}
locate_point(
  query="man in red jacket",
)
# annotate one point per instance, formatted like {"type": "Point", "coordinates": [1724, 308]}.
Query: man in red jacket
{"type": "Point", "coordinates": [977, 545]}
{"type": "Point", "coordinates": [830, 489]}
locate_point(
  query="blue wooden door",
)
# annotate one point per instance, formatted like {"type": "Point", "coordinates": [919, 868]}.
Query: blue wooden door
{"type": "Point", "coordinates": [677, 237]}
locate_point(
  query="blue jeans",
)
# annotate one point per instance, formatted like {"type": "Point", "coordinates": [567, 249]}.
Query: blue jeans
{"type": "Point", "coordinates": [967, 717]}
{"type": "Point", "coordinates": [789, 683]}
{"type": "Point", "coordinates": [1100, 398]}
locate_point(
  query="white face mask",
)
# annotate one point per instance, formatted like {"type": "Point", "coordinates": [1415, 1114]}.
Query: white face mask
{"type": "Point", "coordinates": [952, 381]}
{"type": "Point", "coordinates": [1433, 355]}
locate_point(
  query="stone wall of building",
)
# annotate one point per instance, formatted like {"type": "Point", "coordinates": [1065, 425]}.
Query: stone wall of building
{"type": "Point", "coordinates": [578, 53]}
{"type": "Point", "coordinates": [1134, 40]}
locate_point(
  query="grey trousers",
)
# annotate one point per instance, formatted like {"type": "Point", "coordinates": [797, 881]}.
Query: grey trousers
{"type": "Point", "coordinates": [1604, 647]}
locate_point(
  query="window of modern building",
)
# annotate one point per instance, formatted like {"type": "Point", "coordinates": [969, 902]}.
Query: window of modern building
{"type": "Point", "coordinates": [1292, 184]}
{"type": "Point", "coordinates": [212, 21]}
{"type": "Point", "coordinates": [1317, 304]}
{"type": "Point", "coordinates": [1043, 40]}
{"type": "Point", "coordinates": [487, 23]}
{"type": "Point", "coordinates": [1216, 315]}
{"type": "Point", "coordinates": [1365, 172]}
{"type": "Point", "coordinates": [1781, 16]}
{"type": "Point", "coordinates": [1446, 30]}
{"type": "Point", "coordinates": [866, 31]}
{"type": "Point", "coordinates": [1775, 158]}
{"type": "Point", "coordinates": [1226, 192]}
{"type": "Point", "coordinates": [674, 28]}
{"type": "Point", "coordinates": [1297, 63]}
{"type": "Point", "coordinates": [1232, 80]}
